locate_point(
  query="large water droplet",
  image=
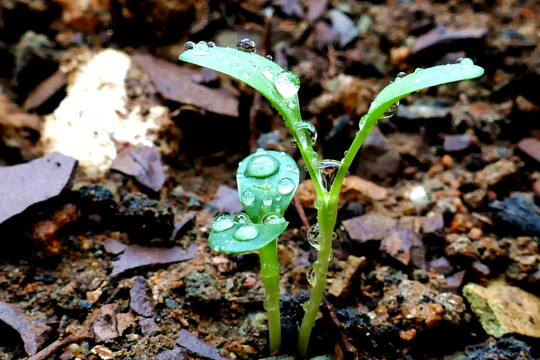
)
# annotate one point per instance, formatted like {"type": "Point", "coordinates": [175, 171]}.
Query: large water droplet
{"type": "Point", "coordinates": [189, 45]}
{"type": "Point", "coordinates": [267, 72]}
{"type": "Point", "coordinates": [273, 218]}
{"type": "Point", "coordinates": [201, 48]}
{"type": "Point", "coordinates": [310, 275]}
{"type": "Point", "coordinates": [246, 45]}
{"type": "Point", "coordinates": [287, 84]}
{"type": "Point", "coordinates": [362, 123]}
{"type": "Point", "coordinates": [312, 236]}
{"type": "Point", "coordinates": [241, 218]}
{"type": "Point", "coordinates": [269, 303]}
{"type": "Point", "coordinates": [328, 170]}
{"type": "Point", "coordinates": [267, 199]}
{"type": "Point", "coordinates": [392, 110]}
{"type": "Point", "coordinates": [247, 197]}
{"type": "Point", "coordinates": [306, 125]}
{"type": "Point", "coordinates": [269, 57]}
{"type": "Point", "coordinates": [262, 166]}
{"type": "Point", "coordinates": [285, 186]}
{"type": "Point", "coordinates": [222, 222]}
{"type": "Point", "coordinates": [465, 63]}
{"type": "Point", "coordinates": [246, 233]}
{"type": "Point", "coordinates": [269, 270]}
{"type": "Point", "coordinates": [318, 266]}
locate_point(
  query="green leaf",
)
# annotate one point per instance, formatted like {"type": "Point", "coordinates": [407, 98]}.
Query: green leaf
{"type": "Point", "coordinates": [267, 181]}
{"type": "Point", "coordinates": [421, 79]}
{"type": "Point", "coordinates": [241, 238]}
{"type": "Point", "coordinates": [251, 68]}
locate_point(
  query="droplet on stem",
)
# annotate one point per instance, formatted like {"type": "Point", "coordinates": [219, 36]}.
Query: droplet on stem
{"type": "Point", "coordinates": [392, 110]}
{"type": "Point", "coordinates": [306, 125]}
{"type": "Point", "coordinates": [312, 236]}
{"type": "Point", "coordinates": [328, 170]}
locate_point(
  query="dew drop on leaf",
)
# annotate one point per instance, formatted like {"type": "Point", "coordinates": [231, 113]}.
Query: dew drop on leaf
{"type": "Point", "coordinates": [189, 45]}
{"type": "Point", "coordinates": [247, 197]}
{"type": "Point", "coordinates": [201, 48]}
{"type": "Point", "coordinates": [211, 44]}
{"type": "Point", "coordinates": [273, 218]}
{"type": "Point", "coordinates": [269, 57]}
{"type": "Point", "coordinates": [241, 218]}
{"type": "Point", "coordinates": [392, 110]}
{"type": "Point", "coordinates": [267, 199]}
{"type": "Point", "coordinates": [262, 166]}
{"type": "Point", "coordinates": [328, 170]}
{"type": "Point", "coordinates": [267, 72]}
{"type": "Point", "coordinates": [465, 63]}
{"type": "Point", "coordinates": [246, 45]}
{"type": "Point", "coordinates": [400, 75]}
{"type": "Point", "coordinates": [306, 125]}
{"type": "Point", "coordinates": [246, 233]}
{"type": "Point", "coordinates": [222, 222]}
{"type": "Point", "coordinates": [287, 84]}
{"type": "Point", "coordinates": [285, 186]}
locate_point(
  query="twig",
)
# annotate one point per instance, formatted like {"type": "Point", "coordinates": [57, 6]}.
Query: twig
{"type": "Point", "coordinates": [349, 351]}
{"type": "Point", "coordinates": [58, 345]}
{"type": "Point", "coordinates": [301, 213]}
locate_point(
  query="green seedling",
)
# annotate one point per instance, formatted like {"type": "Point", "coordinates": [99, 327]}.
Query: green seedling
{"type": "Point", "coordinates": [280, 88]}
{"type": "Point", "coordinates": [267, 181]}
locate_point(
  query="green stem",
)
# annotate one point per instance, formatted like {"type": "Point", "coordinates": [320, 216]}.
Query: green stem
{"type": "Point", "coordinates": [270, 278]}
{"type": "Point", "coordinates": [326, 216]}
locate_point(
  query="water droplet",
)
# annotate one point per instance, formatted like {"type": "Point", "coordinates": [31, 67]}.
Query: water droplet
{"type": "Point", "coordinates": [392, 110]}
{"type": "Point", "coordinates": [269, 57]}
{"type": "Point", "coordinates": [246, 233]}
{"type": "Point", "coordinates": [273, 218]}
{"type": "Point", "coordinates": [310, 275]}
{"type": "Point", "coordinates": [287, 84]}
{"type": "Point", "coordinates": [267, 72]}
{"type": "Point", "coordinates": [465, 63]}
{"type": "Point", "coordinates": [312, 236]}
{"type": "Point", "coordinates": [189, 45]}
{"type": "Point", "coordinates": [246, 45]}
{"type": "Point", "coordinates": [292, 104]}
{"type": "Point", "coordinates": [306, 125]}
{"type": "Point", "coordinates": [400, 75]}
{"type": "Point", "coordinates": [260, 151]}
{"type": "Point", "coordinates": [222, 222]}
{"type": "Point", "coordinates": [241, 218]}
{"type": "Point", "coordinates": [318, 266]}
{"type": "Point", "coordinates": [201, 48]}
{"type": "Point", "coordinates": [307, 306]}
{"type": "Point", "coordinates": [317, 203]}
{"type": "Point", "coordinates": [269, 270]}
{"type": "Point", "coordinates": [269, 303]}
{"type": "Point", "coordinates": [328, 170]}
{"type": "Point", "coordinates": [373, 105]}
{"type": "Point", "coordinates": [262, 166]}
{"type": "Point", "coordinates": [418, 70]}
{"type": "Point", "coordinates": [285, 186]}
{"type": "Point", "coordinates": [211, 44]}
{"type": "Point", "coordinates": [362, 123]}
{"type": "Point", "coordinates": [247, 197]}
{"type": "Point", "coordinates": [236, 66]}
{"type": "Point", "coordinates": [267, 199]}
{"type": "Point", "coordinates": [288, 168]}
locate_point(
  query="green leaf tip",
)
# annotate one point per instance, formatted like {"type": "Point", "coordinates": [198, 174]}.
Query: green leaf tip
{"type": "Point", "coordinates": [238, 235]}
{"type": "Point", "coordinates": [267, 181]}
{"type": "Point", "coordinates": [280, 87]}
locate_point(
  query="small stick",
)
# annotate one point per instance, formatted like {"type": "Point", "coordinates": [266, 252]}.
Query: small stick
{"type": "Point", "coordinates": [301, 213]}
{"type": "Point", "coordinates": [349, 351]}
{"type": "Point", "coordinates": [58, 345]}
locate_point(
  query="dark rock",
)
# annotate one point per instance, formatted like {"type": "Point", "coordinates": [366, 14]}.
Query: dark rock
{"type": "Point", "coordinates": [174, 354]}
{"type": "Point", "coordinates": [105, 326]}
{"type": "Point", "coordinates": [33, 182]}
{"type": "Point", "coordinates": [136, 256]}
{"type": "Point", "coordinates": [146, 220]}
{"type": "Point", "coordinates": [174, 83]}
{"type": "Point", "coordinates": [368, 227]}
{"type": "Point", "coordinates": [196, 347]}
{"type": "Point", "coordinates": [144, 164]}
{"type": "Point", "coordinates": [377, 157]}
{"type": "Point", "coordinates": [455, 143]}
{"type": "Point", "coordinates": [96, 204]}
{"type": "Point", "coordinates": [272, 139]}
{"type": "Point", "coordinates": [140, 298]}
{"type": "Point", "coordinates": [183, 225]}
{"type": "Point", "coordinates": [441, 266]}
{"type": "Point", "coordinates": [504, 348]}
{"type": "Point", "coordinates": [520, 212]}
{"type": "Point", "coordinates": [461, 247]}
{"type": "Point", "coordinates": [475, 199]}
{"type": "Point", "coordinates": [524, 269]}
{"type": "Point", "coordinates": [419, 19]}
{"type": "Point", "coordinates": [201, 287]}
{"type": "Point", "coordinates": [33, 333]}
{"type": "Point", "coordinates": [405, 246]}
{"type": "Point", "coordinates": [226, 200]}
{"type": "Point", "coordinates": [453, 282]}
{"type": "Point", "coordinates": [344, 26]}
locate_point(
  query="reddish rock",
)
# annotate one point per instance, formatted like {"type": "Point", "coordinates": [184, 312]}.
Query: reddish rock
{"type": "Point", "coordinates": [404, 245]}
{"type": "Point", "coordinates": [531, 147]}
{"type": "Point", "coordinates": [368, 227]}
{"type": "Point", "coordinates": [494, 174]}
{"type": "Point", "coordinates": [143, 163]}
{"type": "Point", "coordinates": [461, 246]}
{"type": "Point", "coordinates": [105, 326]}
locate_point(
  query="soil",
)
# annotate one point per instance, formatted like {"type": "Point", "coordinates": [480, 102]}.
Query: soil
{"type": "Point", "coordinates": [107, 257]}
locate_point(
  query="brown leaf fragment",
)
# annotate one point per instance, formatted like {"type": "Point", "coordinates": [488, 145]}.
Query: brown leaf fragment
{"type": "Point", "coordinates": [45, 90]}
{"type": "Point", "coordinates": [137, 255]}
{"type": "Point", "coordinates": [175, 83]}
{"type": "Point", "coordinates": [196, 347]}
{"type": "Point", "coordinates": [33, 333]}
{"type": "Point", "coordinates": [33, 182]}
{"type": "Point", "coordinates": [144, 164]}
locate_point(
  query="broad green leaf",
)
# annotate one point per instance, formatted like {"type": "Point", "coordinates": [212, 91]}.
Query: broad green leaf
{"type": "Point", "coordinates": [241, 238]}
{"type": "Point", "coordinates": [278, 86]}
{"type": "Point", "coordinates": [267, 181]}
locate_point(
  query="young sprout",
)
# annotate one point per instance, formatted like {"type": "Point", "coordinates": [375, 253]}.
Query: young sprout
{"type": "Point", "coordinates": [267, 181]}
{"type": "Point", "coordinates": [280, 87]}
